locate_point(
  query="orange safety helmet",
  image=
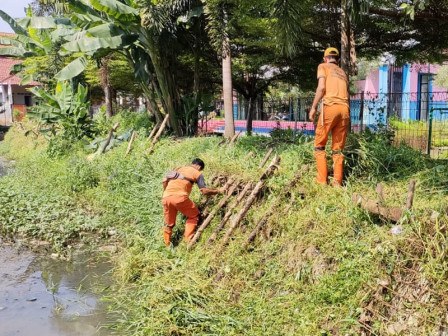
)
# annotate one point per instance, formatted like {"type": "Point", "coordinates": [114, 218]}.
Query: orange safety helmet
{"type": "Point", "coordinates": [331, 52]}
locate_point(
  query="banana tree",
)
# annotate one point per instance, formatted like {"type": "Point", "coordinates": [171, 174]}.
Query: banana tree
{"type": "Point", "coordinates": [63, 110]}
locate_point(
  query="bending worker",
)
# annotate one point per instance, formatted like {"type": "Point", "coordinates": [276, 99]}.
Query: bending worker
{"type": "Point", "coordinates": [335, 116]}
{"type": "Point", "coordinates": [177, 186]}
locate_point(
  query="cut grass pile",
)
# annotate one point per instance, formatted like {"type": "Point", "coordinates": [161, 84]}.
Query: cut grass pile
{"type": "Point", "coordinates": [321, 265]}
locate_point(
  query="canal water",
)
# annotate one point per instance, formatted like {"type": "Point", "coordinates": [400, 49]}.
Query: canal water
{"type": "Point", "coordinates": [42, 296]}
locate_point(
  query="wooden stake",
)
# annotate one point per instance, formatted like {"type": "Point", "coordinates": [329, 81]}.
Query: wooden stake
{"type": "Point", "coordinates": [264, 219]}
{"type": "Point", "coordinates": [266, 158]}
{"type": "Point", "coordinates": [159, 133]}
{"type": "Point", "coordinates": [235, 137]}
{"type": "Point", "coordinates": [128, 150]}
{"type": "Point", "coordinates": [153, 131]}
{"type": "Point", "coordinates": [250, 200]}
{"type": "Point", "coordinates": [410, 199]}
{"type": "Point", "coordinates": [109, 137]}
{"type": "Point", "coordinates": [393, 214]}
{"type": "Point", "coordinates": [212, 214]}
{"type": "Point", "coordinates": [379, 191]}
{"type": "Point", "coordinates": [229, 212]}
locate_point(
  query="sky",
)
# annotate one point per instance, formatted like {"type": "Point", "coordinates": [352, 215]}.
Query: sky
{"type": "Point", "coordinates": [15, 8]}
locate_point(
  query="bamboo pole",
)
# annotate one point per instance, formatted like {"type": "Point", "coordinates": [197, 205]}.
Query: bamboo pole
{"type": "Point", "coordinates": [379, 191]}
{"type": "Point", "coordinates": [410, 198]}
{"type": "Point", "coordinates": [212, 214]}
{"type": "Point", "coordinates": [264, 219]}
{"type": "Point", "coordinates": [131, 141]}
{"type": "Point", "coordinates": [235, 137]}
{"type": "Point", "coordinates": [153, 131]}
{"type": "Point", "coordinates": [250, 200]}
{"type": "Point", "coordinates": [229, 212]}
{"type": "Point", "coordinates": [159, 133]}
{"type": "Point", "coordinates": [266, 158]}
{"type": "Point", "coordinates": [109, 137]}
{"type": "Point", "coordinates": [393, 213]}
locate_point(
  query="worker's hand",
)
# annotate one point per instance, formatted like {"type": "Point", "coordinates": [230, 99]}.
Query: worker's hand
{"type": "Point", "coordinates": [312, 114]}
{"type": "Point", "coordinates": [222, 190]}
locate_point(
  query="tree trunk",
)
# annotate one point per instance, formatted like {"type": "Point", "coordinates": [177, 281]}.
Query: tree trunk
{"type": "Point", "coordinates": [345, 38]}
{"type": "Point", "coordinates": [167, 86]}
{"type": "Point", "coordinates": [229, 130]}
{"type": "Point", "coordinates": [250, 114]}
{"type": "Point", "coordinates": [105, 84]}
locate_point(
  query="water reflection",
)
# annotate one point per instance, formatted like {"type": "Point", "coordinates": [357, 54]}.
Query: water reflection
{"type": "Point", "coordinates": [42, 296]}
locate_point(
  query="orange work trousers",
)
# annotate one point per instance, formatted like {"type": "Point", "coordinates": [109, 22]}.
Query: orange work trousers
{"type": "Point", "coordinates": [173, 204]}
{"type": "Point", "coordinates": [334, 119]}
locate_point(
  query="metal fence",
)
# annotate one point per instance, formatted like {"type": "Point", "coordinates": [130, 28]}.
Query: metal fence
{"type": "Point", "coordinates": [419, 119]}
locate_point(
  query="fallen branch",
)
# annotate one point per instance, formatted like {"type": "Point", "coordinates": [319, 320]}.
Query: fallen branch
{"type": "Point", "coordinates": [212, 214]}
{"type": "Point", "coordinates": [266, 158]}
{"type": "Point", "coordinates": [229, 212]}
{"type": "Point", "coordinates": [250, 200]}
{"type": "Point", "coordinates": [131, 141]}
{"type": "Point", "coordinates": [109, 137]}
{"type": "Point", "coordinates": [392, 213]}
{"type": "Point", "coordinates": [157, 136]}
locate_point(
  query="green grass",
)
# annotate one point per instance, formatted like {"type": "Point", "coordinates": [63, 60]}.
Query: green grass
{"type": "Point", "coordinates": [313, 271]}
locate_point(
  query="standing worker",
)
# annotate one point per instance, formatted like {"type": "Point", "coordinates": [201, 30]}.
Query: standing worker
{"type": "Point", "coordinates": [335, 115]}
{"type": "Point", "coordinates": [177, 186]}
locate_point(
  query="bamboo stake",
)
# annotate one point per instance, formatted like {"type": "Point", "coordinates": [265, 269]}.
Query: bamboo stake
{"type": "Point", "coordinates": [109, 137]}
{"type": "Point", "coordinates": [153, 131]}
{"type": "Point", "coordinates": [212, 214]}
{"type": "Point", "coordinates": [159, 133]}
{"type": "Point", "coordinates": [410, 199]}
{"type": "Point", "coordinates": [379, 191]}
{"type": "Point", "coordinates": [229, 213]}
{"type": "Point", "coordinates": [263, 220]}
{"type": "Point", "coordinates": [250, 200]}
{"type": "Point", "coordinates": [235, 137]}
{"type": "Point", "coordinates": [227, 185]}
{"type": "Point", "coordinates": [128, 150]}
{"type": "Point", "coordinates": [393, 214]}
{"type": "Point", "coordinates": [266, 158]}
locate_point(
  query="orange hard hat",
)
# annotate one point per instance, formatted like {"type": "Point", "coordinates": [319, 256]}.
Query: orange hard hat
{"type": "Point", "coordinates": [331, 52]}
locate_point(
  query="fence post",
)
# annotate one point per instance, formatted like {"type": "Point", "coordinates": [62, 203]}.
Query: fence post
{"type": "Point", "coordinates": [430, 131]}
{"type": "Point", "coordinates": [361, 112]}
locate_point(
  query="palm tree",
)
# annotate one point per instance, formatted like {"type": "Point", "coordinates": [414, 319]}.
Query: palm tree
{"type": "Point", "coordinates": [218, 30]}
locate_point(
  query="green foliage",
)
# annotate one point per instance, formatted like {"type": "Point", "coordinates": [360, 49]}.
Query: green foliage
{"type": "Point", "coordinates": [63, 110]}
{"type": "Point", "coordinates": [371, 155]}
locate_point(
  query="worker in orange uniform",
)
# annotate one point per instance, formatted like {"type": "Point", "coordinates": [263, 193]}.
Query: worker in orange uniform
{"type": "Point", "coordinates": [335, 115]}
{"type": "Point", "coordinates": [177, 186]}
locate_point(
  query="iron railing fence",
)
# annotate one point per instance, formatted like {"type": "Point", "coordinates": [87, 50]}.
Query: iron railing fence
{"type": "Point", "coordinates": [419, 119]}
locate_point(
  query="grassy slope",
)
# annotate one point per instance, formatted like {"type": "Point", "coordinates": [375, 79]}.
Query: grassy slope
{"type": "Point", "coordinates": [317, 272]}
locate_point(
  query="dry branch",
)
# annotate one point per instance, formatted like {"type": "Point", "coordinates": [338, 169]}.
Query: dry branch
{"type": "Point", "coordinates": [109, 137]}
{"type": "Point", "coordinates": [410, 199]}
{"type": "Point", "coordinates": [157, 136]}
{"type": "Point", "coordinates": [250, 200]}
{"type": "Point", "coordinates": [266, 158]}
{"type": "Point", "coordinates": [392, 213]}
{"type": "Point", "coordinates": [212, 214]}
{"type": "Point", "coordinates": [131, 141]}
{"type": "Point", "coordinates": [229, 212]}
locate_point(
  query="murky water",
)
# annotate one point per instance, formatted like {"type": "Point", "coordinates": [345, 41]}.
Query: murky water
{"type": "Point", "coordinates": [40, 296]}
